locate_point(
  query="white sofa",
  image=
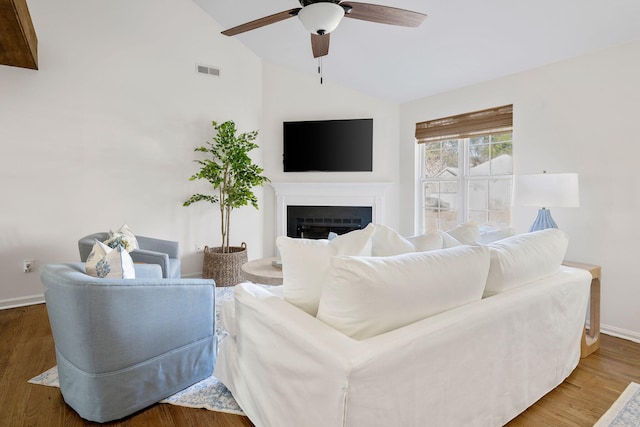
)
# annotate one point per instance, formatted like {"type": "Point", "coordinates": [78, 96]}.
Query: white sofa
{"type": "Point", "coordinates": [480, 363]}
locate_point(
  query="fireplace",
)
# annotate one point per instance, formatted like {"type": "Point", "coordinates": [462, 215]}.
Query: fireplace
{"type": "Point", "coordinates": [316, 222]}
{"type": "Point", "coordinates": [369, 195]}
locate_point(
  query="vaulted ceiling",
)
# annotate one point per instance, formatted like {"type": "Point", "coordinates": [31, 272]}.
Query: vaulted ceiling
{"type": "Point", "coordinates": [462, 42]}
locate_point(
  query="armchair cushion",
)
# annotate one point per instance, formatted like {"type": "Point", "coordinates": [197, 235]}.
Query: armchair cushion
{"type": "Point", "coordinates": [122, 345]}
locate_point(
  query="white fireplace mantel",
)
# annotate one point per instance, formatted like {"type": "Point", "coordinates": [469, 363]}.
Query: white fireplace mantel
{"type": "Point", "coordinates": [329, 194]}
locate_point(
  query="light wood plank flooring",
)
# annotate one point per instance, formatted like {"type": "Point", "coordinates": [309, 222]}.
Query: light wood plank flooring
{"type": "Point", "coordinates": [26, 350]}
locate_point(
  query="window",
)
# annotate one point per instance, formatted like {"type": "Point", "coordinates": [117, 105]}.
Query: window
{"type": "Point", "coordinates": [467, 168]}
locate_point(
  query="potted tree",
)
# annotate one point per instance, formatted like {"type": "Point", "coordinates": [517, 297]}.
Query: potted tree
{"type": "Point", "coordinates": [232, 173]}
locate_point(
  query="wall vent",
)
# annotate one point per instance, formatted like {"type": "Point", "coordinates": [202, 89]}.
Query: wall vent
{"type": "Point", "coordinates": [205, 69]}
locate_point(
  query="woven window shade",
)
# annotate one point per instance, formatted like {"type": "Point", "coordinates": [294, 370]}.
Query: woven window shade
{"type": "Point", "coordinates": [485, 122]}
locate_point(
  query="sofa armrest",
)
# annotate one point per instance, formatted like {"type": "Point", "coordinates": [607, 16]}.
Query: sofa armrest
{"type": "Point", "coordinates": [276, 340]}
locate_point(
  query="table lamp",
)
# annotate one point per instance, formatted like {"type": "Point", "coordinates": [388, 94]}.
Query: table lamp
{"type": "Point", "coordinates": [546, 190]}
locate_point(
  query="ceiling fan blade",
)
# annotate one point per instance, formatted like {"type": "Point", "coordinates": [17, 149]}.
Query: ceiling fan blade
{"type": "Point", "coordinates": [320, 45]}
{"type": "Point", "coordinates": [271, 19]}
{"type": "Point", "coordinates": [383, 14]}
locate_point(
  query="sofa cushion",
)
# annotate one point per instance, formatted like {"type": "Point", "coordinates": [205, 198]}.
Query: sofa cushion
{"type": "Point", "coordinates": [524, 258]}
{"type": "Point", "coordinates": [492, 234]}
{"type": "Point", "coordinates": [467, 233]}
{"type": "Point", "coordinates": [448, 241]}
{"type": "Point", "coordinates": [429, 241]}
{"type": "Point", "coordinates": [306, 264]}
{"type": "Point", "coordinates": [367, 296]}
{"type": "Point", "coordinates": [386, 241]}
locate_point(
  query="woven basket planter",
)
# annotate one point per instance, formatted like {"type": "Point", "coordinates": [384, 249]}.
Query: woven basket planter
{"type": "Point", "coordinates": [224, 268]}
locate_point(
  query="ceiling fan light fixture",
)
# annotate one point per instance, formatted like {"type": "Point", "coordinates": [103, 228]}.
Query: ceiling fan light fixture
{"type": "Point", "coordinates": [321, 18]}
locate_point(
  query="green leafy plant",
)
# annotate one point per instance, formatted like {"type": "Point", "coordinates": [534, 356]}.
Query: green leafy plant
{"type": "Point", "coordinates": [230, 171]}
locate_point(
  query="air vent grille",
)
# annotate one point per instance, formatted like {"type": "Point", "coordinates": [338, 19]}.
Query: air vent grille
{"type": "Point", "coordinates": [205, 69]}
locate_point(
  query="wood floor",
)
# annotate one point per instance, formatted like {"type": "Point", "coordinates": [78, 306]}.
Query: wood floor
{"type": "Point", "coordinates": [26, 350]}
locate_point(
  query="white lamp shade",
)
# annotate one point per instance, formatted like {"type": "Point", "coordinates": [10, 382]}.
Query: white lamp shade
{"type": "Point", "coordinates": [547, 190]}
{"type": "Point", "coordinates": [321, 18]}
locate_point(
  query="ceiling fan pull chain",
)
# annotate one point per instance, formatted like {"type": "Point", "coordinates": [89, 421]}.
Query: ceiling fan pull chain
{"type": "Point", "coordinates": [320, 68]}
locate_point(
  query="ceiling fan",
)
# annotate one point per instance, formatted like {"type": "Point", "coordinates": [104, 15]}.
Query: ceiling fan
{"type": "Point", "coordinates": [321, 17]}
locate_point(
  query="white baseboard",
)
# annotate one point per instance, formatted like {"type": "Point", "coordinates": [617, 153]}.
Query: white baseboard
{"type": "Point", "coordinates": [620, 333]}
{"type": "Point", "coordinates": [21, 302]}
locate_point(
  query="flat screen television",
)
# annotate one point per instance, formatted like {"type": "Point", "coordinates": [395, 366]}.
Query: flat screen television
{"type": "Point", "coordinates": [328, 146]}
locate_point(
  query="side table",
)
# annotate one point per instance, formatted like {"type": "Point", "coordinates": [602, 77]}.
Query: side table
{"type": "Point", "coordinates": [590, 338]}
{"type": "Point", "coordinates": [262, 271]}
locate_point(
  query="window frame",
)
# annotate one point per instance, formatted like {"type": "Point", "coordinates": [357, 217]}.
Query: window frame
{"type": "Point", "coordinates": [462, 128]}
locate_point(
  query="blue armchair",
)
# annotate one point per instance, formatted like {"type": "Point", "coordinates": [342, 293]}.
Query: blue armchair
{"type": "Point", "coordinates": [124, 344]}
{"type": "Point", "coordinates": [152, 251]}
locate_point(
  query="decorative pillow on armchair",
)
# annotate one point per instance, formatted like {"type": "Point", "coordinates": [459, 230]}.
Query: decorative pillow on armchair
{"type": "Point", "coordinates": [306, 264]}
{"type": "Point", "coordinates": [124, 237]}
{"type": "Point", "coordinates": [105, 262]}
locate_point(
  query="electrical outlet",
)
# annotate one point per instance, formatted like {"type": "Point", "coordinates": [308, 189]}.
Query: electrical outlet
{"type": "Point", "coordinates": [28, 265]}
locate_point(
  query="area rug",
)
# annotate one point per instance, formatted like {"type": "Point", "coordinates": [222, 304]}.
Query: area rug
{"type": "Point", "coordinates": [625, 411]}
{"type": "Point", "coordinates": [209, 393]}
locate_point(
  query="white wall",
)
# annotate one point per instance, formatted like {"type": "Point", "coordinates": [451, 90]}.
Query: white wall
{"type": "Point", "coordinates": [103, 134]}
{"type": "Point", "coordinates": [579, 115]}
{"type": "Point", "coordinates": [292, 96]}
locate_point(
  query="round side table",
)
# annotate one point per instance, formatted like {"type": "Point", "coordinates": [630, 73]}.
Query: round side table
{"type": "Point", "coordinates": [262, 271]}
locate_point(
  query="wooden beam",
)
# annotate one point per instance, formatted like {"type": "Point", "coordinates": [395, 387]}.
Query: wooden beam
{"type": "Point", "coordinates": [18, 41]}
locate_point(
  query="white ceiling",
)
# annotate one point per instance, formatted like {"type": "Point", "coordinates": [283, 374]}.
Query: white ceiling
{"type": "Point", "coordinates": [461, 42]}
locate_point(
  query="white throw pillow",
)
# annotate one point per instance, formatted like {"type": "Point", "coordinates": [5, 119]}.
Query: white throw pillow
{"type": "Point", "coordinates": [387, 241]}
{"type": "Point", "coordinates": [306, 263]}
{"type": "Point", "coordinates": [123, 236]}
{"type": "Point", "coordinates": [367, 296]}
{"type": "Point", "coordinates": [448, 241]}
{"type": "Point", "coordinates": [467, 233]}
{"type": "Point", "coordinates": [98, 251]}
{"type": "Point", "coordinates": [428, 241]}
{"type": "Point", "coordinates": [489, 235]}
{"type": "Point", "coordinates": [105, 262]}
{"type": "Point", "coordinates": [522, 259]}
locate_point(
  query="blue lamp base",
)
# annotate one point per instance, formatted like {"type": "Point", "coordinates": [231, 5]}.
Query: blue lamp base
{"type": "Point", "coordinates": [543, 221]}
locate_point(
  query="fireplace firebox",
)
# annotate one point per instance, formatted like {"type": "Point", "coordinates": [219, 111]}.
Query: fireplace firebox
{"type": "Point", "coordinates": [316, 222]}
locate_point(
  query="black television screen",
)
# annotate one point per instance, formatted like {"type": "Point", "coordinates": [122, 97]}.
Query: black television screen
{"type": "Point", "coordinates": [328, 145]}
